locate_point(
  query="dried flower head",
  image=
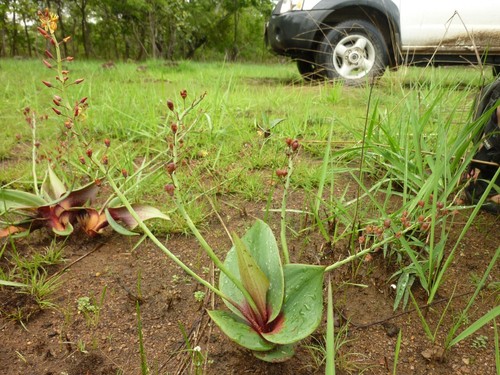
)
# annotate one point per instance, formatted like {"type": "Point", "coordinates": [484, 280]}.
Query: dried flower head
{"type": "Point", "coordinates": [171, 168]}
{"type": "Point", "coordinates": [169, 188]}
{"type": "Point", "coordinates": [281, 173]}
{"type": "Point", "coordinates": [48, 20]}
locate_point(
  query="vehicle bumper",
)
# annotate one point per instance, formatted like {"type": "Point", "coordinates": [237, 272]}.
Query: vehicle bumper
{"type": "Point", "coordinates": [293, 33]}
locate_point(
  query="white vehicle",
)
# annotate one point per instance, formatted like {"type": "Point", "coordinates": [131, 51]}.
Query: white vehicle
{"type": "Point", "coordinates": [355, 40]}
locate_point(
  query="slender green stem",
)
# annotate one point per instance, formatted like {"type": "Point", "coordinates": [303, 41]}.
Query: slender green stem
{"type": "Point", "coordinates": [284, 245]}
{"type": "Point", "coordinates": [33, 154]}
{"type": "Point", "coordinates": [208, 249]}
{"type": "Point", "coordinates": [160, 245]}
{"type": "Point", "coordinates": [366, 251]}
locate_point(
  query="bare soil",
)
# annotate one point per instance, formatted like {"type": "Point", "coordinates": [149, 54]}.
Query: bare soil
{"type": "Point", "coordinates": [65, 341]}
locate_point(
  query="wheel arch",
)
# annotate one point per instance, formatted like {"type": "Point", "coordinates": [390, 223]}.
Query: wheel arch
{"type": "Point", "coordinates": [387, 25]}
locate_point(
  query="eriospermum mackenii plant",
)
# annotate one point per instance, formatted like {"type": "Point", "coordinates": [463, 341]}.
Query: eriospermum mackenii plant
{"type": "Point", "coordinates": [286, 301]}
{"type": "Point", "coordinates": [58, 209]}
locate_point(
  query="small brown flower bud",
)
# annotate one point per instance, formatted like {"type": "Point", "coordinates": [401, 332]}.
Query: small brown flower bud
{"type": "Point", "coordinates": [440, 205]}
{"type": "Point", "coordinates": [169, 188]}
{"type": "Point", "coordinates": [98, 182]}
{"type": "Point", "coordinates": [68, 124]}
{"type": "Point", "coordinates": [170, 105]}
{"type": "Point", "coordinates": [174, 127]}
{"type": "Point", "coordinates": [295, 145]}
{"type": "Point", "coordinates": [387, 223]}
{"type": "Point", "coordinates": [171, 168]}
{"type": "Point", "coordinates": [42, 32]}
{"type": "Point", "coordinates": [77, 111]}
{"type": "Point", "coordinates": [183, 94]}
{"type": "Point", "coordinates": [107, 142]}
{"type": "Point", "coordinates": [82, 159]}
{"type": "Point", "coordinates": [89, 152]}
{"type": "Point", "coordinates": [289, 141]}
{"type": "Point", "coordinates": [124, 173]}
{"type": "Point", "coordinates": [425, 226]}
{"type": "Point", "coordinates": [421, 203]}
{"type": "Point", "coordinates": [57, 112]}
{"type": "Point", "coordinates": [361, 240]}
{"type": "Point", "coordinates": [47, 64]}
{"type": "Point", "coordinates": [105, 160]}
{"type": "Point", "coordinates": [48, 84]}
{"type": "Point", "coordinates": [48, 54]}
{"type": "Point", "coordinates": [397, 235]}
{"type": "Point", "coordinates": [65, 72]}
{"type": "Point", "coordinates": [56, 102]}
{"type": "Point", "coordinates": [78, 81]}
{"type": "Point", "coordinates": [67, 39]}
{"type": "Point", "coordinates": [83, 100]}
{"type": "Point", "coordinates": [70, 58]}
{"type": "Point", "coordinates": [281, 173]}
{"type": "Point", "coordinates": [421, 219]}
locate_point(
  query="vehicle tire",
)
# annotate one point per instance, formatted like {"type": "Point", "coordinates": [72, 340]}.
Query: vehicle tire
{"type": "Point", "coordinates": [353, 51]}
{"type": "Point", "coordinates": [308, 70]}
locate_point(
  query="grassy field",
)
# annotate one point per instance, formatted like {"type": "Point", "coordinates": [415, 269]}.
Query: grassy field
{"type": "Point", "coordinates": [127, 103]}
{"type": "Point", "coordinates": [380, 167]}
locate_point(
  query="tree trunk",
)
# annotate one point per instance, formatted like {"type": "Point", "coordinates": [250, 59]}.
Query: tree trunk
{"type": "Point", "coordinates": [153, 34]}
{"type": "Point", "coordinates": [3, 32]}
{"type": "Point", "coordinates": [171, 43]}
{"type": "Point", "coordinates": [13, 45]}
{"type": "Point", "coordinates": [82, 6]}
{"type": "Point", "coordinates": [27, 35]}
{"type": "Point", "coordinates": [61, 26]}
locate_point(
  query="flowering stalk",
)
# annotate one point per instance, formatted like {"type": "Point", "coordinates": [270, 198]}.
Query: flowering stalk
{"type": "Point", "coordinates": [34, 151]}
{"type": "Point", "coordinates": [173, 190]}
{"type": "Point", "coordinates": [293, 146]}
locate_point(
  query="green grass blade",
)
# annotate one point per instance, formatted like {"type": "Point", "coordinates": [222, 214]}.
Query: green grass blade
{"type": "Point", "coordinates": [330, 335]}
{"type": "Point", "coordinates": [490, 315]}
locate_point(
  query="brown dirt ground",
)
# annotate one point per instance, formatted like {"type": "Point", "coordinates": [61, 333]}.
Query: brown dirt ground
{"type": "Point", "coordinates": [62, 341]}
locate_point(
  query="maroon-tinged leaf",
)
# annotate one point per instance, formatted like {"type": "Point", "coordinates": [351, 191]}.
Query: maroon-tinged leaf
{"type": "Point", "coordinates": [80, 197]}
{"type": "Point", "coordinates": [239, 331]}
{"type": "Point", "coordinates": [253, 278]}
{"type": "Point", "coordinates": [303, 306]}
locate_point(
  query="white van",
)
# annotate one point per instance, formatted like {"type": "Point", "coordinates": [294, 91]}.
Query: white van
{"type": "Point", "coordinates": [355, 40]}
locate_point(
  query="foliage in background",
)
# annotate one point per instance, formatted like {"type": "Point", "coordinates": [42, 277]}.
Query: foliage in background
{"type": "Point", "coordinates": [140, 29]}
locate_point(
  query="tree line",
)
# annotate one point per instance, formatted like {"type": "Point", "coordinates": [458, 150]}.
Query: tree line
{"type": "Point", "coordinates": [140, 29]}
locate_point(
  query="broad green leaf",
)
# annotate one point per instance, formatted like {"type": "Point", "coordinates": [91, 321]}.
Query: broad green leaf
{"type": "Point", "coordinates": [261, 244]}
{"type": "Point", "coordinates": [303, 304]}
{"type": "Point", "coordinates": [252, 277]}
{"type": "Point", "coordinates": [238, 331]}
{"type": "Point", "coordinates": [117, 227]}
{"type": "Point", "coordinates": [16, 199]}
{"type": "Point", "coordinates": [12, 283]}
{"type": "Point", "coordinates": [52, 187]}
{"type": "Point", "coordinates": [280, 353]}
{"type": "Point", "coordinates": [144, 212]}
